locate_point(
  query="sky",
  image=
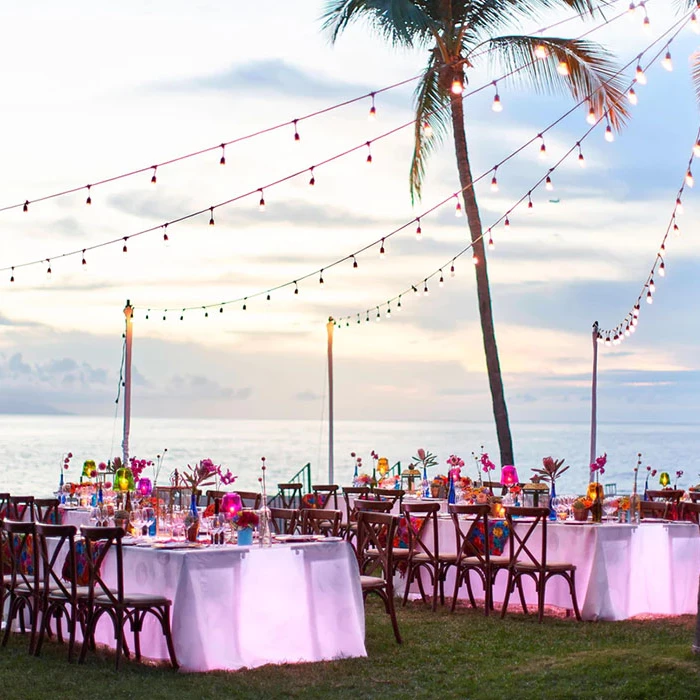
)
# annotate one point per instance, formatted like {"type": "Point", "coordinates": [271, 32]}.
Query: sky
{"type": "Point", "coordinates": [91, 90]}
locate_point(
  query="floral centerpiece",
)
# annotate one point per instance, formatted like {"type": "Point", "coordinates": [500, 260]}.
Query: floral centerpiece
{"type": "Point", "coordinates": [245, 518]}
{"type": "Point", "coordinates": [438, 486]}
{"type": "Point", "coordinates": [483, 464]}
{"type": "Point", "coordinates": [194, 477]}
{"type": "Point", "coordinates": [392, 481]}
{"type": "Point", "coordinates": [426, 460]}
{"type": "Point", "coordinates": [580, 507]}
{"type": "Point", "coordinates": [650, 473]}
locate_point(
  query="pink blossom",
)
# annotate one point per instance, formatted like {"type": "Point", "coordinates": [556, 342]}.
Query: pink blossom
{"type": "Point", "coordinates": [679, 474]}
{"type": "Point", "coordinates": [102, 466]}
{"type": "Point", "coordinates": [421, 453]}
{"type": "Point", "coordinates": [653, 472]}
{"type": "Point", "coordinates": [486, 464]}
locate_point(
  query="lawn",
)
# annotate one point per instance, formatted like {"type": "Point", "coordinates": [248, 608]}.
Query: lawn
{"type": "Point", "coordinates": [461, 655]}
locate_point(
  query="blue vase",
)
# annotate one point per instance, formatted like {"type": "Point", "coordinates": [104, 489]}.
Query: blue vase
{"type": "Point", "coordinates": [425, 484]}
{"type": "Point", "coordinates": [552, 496]}
{"type": "Point", "coordinates": [451, 496]}
{"type": "Point", "coordinates": [245, 536]}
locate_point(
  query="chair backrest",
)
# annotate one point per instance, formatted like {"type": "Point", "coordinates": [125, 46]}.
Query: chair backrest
{"type": "Point", "coordinates": [47, 510]}
{"type": "Point", "coordinates": [376, 531]}
{"type": "Point", "coordinates": [99, 541]}
{"type": "Point", "coordinates": [284, 520]}
{"type": "Point", "coordinates": [22, 553]}
{"type": "Point", "coordinates": [351, 494]}
{"type": "Point", "coordinates": [654, 509]}
{"type": "Point", "coordinates": [670, 495]}
{"type": "Point", "coordinates": [21, 508]}
{"type": "Point", "coordinates": [392, 495]}
{"type": "Point", "coordinates": [4, 504]}
{"type": "Point", "coordinates": [694, 497]}
{"type": "Point", "coordinates": [691, 511]}
{"type": "Point", "coordinates": [213, 495]}
{"type": "Point", "coordinates": [466, 519]}
{"type": "Point", "coordinates": [610, 489]}
{"type": "Point", "coordinates": [325, 493]}
{"type": "Point", "coordinates": [250, 499]}
{"type": "Point", "coordinates": [59, 559]}
{"type": "Point", "coordinates": [173, 496]}
{"type": "Point", "coordinates": [374, 506]}
{"type": "Point", "coordinates": [320, 522]}
{"type": "Point", "coordinates": [519, 538]}
{"type": "Point", "coordinates": [418, 517]}
{"type": "Point", "coordinates": [290, 494]}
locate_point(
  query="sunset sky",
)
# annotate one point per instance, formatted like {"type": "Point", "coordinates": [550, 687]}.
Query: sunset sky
{"type": "Point", "coordinates": [91, 90]}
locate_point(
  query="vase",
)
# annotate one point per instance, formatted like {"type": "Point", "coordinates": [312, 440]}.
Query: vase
{"type": "Point", "coordinates": [552, 496]}
{"type": "Point", "coordinates": [595, 493]}
{"type": "Point", "coordinates": [580, 514]}
{"type": "Point", "coordinates": [452, 496]}
{"type": "Point", "coordinates": [245, 536]}
{"type": "Point", "coordinates": [192, 520]}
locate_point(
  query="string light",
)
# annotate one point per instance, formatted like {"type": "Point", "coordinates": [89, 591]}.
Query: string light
{"type": "Point", "coordinates": [609, 135]}
{"type": "Point", "coordinates": [548, 184]}
{"type": "Point", "coordinates": [694, 23]}
{"type": "Point", "coordinates": [12, 275]}
{"type": "Point", "coordinates": [591, 117]}
{"type": "Point", "coordinates": [427, 130]}
{"type": "Point", "coordinates": [563, 68]}
{"type": "Point", "coordinates": [650, 298]}
{"type": "Point", "coordinates": [166, 239]}
{"type": "Point", "coordinates": [211, 216]}
{"type": "Point", "coordinates": [475, 259]}
{"type": "Point", "coordinates": [541, 51]}
{"type": "Point", "coordinates": [457, 86]}
{"type": "Point", "coordinates": [354, 262]}
{"type": "Point", "coordinates": [632, 97]}
{"type": "Point", "coordinates": [296, 130]}
{"type": "Point", "coordinates": [261, 203]}
{"type": "Point", "coordinates": [415, 290]}
{"type": "Point", "coordinates": [676, 230]}
{"type": "Point", "coordinates": [388, 311]}
{"type": "Point", "coordinates": [269, 297]}
{"type": "Point", "coordinates": [529, 202]}
{"type": "Point", "coordinates": [222, 160]}
{"type": "Point", "coordinates": [182, 315]}
{"type": "Point", "coordinates": [494, 180]}
{"type": "Point", "coordinates": [398, 305]}
{"type": "Point", "coordinates": [381, 251]}
{"type": "Point", "coordinates": [245, 305]}
{"type": "Point", "coordinates": [452, 270]}
{"type": "Point", "coordinates": [646, 24]}
{"type": "Point", "coordinates": [543, 148]}
{"type": "Point", "coordinates": [458, 207]}
{"type": "Point", "coordinates": [372, 110]}
{"type": "Point", "coordinates": [425, 288]}
{"type": "Point", "coordinates": [88, 201]}
{"type": "Point", "coordinates": [491, 245]}
{"type": "Point", "coordinates": [496, 106]}
{"type": "Point", "coordinates": [312, 179]}
{"type": "Point", "coordinates": [369, 153]}
{"type": "Point", "coordinates": [640, 76]}
{"type": "Point", "coordinates": [662, 267]}
{"type": "Point", "coordinates": [581, 159]}
{"type": "Point", "coordinates": [320, 277]}
{"type": "Point", "coordinates": [84, 262]}
{"type": "Point", "coordinates": [689, 180]}
{"type": "Point", "coordinates": [296, 287]}
{"type": "Point", "coordinates": [679, 206]}
{"type": "Point", "coordinates": [666, 62]}
{"type": "Point", "coordinates": [652, 286]}
{"type": "Point", "coordinates": [124, 249]}
{"type": "Point", "coordinates": [48, 270]}
{"type": "Point", "coordinates": [506, 223]}
{"type": "Point", "coordinates": [696, 149]}
{"type": "Point", "coordinates": [631, 8]}
{"type": "Point", "coordinates": [153, 177]}
{"type": "Point", "coordinates": [441, 283]}
{"type": "Point", "coordinates": [419, 230]}
{"type": "Point", "coordinates": [25, 206]}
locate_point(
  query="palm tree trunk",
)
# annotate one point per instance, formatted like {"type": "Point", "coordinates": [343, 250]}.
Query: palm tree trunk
{"type": "Point", "coordinates": [483, 293]}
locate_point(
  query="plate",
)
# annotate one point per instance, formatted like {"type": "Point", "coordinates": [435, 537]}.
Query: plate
{"type": "Point", "coordinates": [298, 538]}
{"type": "Point", "coordinates": [174, 545]}
{"type": "Point", "coordinates": [655, 520]}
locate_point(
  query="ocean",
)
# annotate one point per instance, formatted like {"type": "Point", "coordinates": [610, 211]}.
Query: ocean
{"type": "Point", "coordinates": [32, 447]}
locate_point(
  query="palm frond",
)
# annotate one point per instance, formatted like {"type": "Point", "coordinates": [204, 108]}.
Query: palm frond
{"type": "Point", "coordinates": [695, 73]}
{"type": "Point", "coordinates": [431, 109]}
{"type": "Point", "coordinates": [591, 71]}
{"type": "Point", "coordinates": [400, 22]}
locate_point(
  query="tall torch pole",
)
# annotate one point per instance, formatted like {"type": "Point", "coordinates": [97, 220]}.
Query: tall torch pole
{"type": "Point", "coordinates": [329, 329]}
{"type": "Point", "coordinates": [128, 315]}
{"type": "Point", "coordinates": [594, 399]}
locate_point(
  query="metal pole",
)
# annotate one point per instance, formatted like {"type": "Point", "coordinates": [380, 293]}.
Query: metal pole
{"type": "Point", "coordinates": [594, 399]}
{"type": "Point", "coordinates": [329, 329]}
{"type": "Point", "coordinates": [128, 315]}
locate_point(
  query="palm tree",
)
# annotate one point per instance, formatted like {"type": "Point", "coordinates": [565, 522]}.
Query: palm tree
{"type": "Point", "coordinates": [457, 34]}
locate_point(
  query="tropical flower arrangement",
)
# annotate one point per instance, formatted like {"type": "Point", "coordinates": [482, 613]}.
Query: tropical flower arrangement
{"type": "Point", "coordinates": [483, 463]}
{"type": "Point", "coordinates": [364, 479]}
{"type": "Point", "coordinates": [455, 463]}
{"type": "Point", "coordinates": [202, 474]}
{"type": "Point", "coordinates": [650, 473]}
{"type": "Point", "coordinates": [551, 470]}
{"type": "Point", "coordinates": [479, 495]}
{"type": "Point", "coordinates": [245, 518]}
{"type": "Point", "coordinates": [425, 459]}
{"type": "Point", "coordinates": [582, 503]}
{"type": "Point", "coordinates": [390, 482]}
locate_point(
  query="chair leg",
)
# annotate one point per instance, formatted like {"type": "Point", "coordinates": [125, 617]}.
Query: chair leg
{"type": "Point", "coordinates": [521, 593]}
{"type": "Point", "coordinates": [541, 588]}
{"type": "Point", "coordinates": [389, 604]}
{"type": "Point", "coordinates": [45, 618]}
{"type": "Point", "coordinates": [417, 575]}
{"type": "Point", "coordinates": [458, 577]}
{"type": "Point", "coordinates": [165, 623]}
{"type": "Point", "coordinates": [436, 583]}
{"type": "Point", "coordinates": [72, 623]}
{"type": "Point", "coordinates": [509, 586]}
{"type": "Point", "coordinates": [88, 635]}
{"type": "Point", "coordinates": [409, 580]}
{"type": "Point", "coordinates": [470, 592]}
{"type": "Point", "coordinates": [572, 587]}
{"type": "Point", "coordinates": [11, 612]}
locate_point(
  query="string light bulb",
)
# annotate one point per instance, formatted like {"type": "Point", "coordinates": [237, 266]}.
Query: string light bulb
{"type": "Point", "coordinates": [48, 270]}
{"type": "Point", "coordinates": [153, 177]}
{"type": "Point", "coordinates": [211, 216]}
{"type": "Point", "coordinates": [494, 181]}
{"type": "Point", "coordinates": [540, 51]}
{"type": "Point", "coordinates": [694, 23]}
{"type": "Point", "coordinates": [666, 62]}
{"type": "Point", "coordinates": [609, 135]}
{"type": "Point", "coordinates": [426, 291]}
{"type": "Point", "coordinates": [632, 7]}
{"type": "Point", "coordinates": [388, 311]}
{"type": "Point", "coordinates": [581, 159]}
{"type": "Point", "coordinates": [222, 160]}
{"type": "Point", "coordinates": [458, 207]}
{"type": "Point", "coordinates": [261, 204]}
{"type": "Point", "coordinates": [491, 245]}
{"type": "Point", "coordinates": [635, 311]}
{"type": "Point", "coordinates": [650, 298]}
{"type": "Point", "coordinates": [427, 130]}
{"type": "Point", "coordinates": [457, 86]}
{"type": "Point", "coordinates": [312, 179]}
{"type": "Point", "coordinates": [639, 75]}
{"type": "Point", "coordinates": [679, 206]}
{"type": "Point", "coordinates": [689, 179]}
{"type": "Point", "coordinates": [381, 251]}
{"type": "Point", "coordinates": [88, 201]}
{"type": "Point", "coordinates": [124, 249]}
{"type": "Point", "coordinates": [548, 185]}
{"type": "Point", "coordinates": [372, 110]}
{"type": "Point", "coordinates": [441, 282]}
{"type": "Point", "coordinates": [543, 147]}
{"type": "Point", "coordinates": [296, 131]}
{"type": "Point", "coordinates": [662, 267]}
{"type": "Point", "coordinates": [530, 207]}
{"type": "Point", "coordinates": [696, 149]}
{"type": "Point", "coordinates": [452, 270]}
{"type": "Point", "coordinates": [166, 238]}
{"type": "Point", "coordinates": [563, 68]}
{"type": "Point", "coordinates": [12, 274]}
{"type": "Point", "coordinates": [419, 231]}
{"type": "Point", "coordinates": [475, 259]}
{"type": "Point", "coordinates": [25, 206]}
{"type": "Point", "coordinates": [506, 223]}
{"type": "Point", "coordinates": [320, 277]}
{"type": "Point", "coordinates": [398, 304]}
{"type": "Point", "coordinates": [632, 96]}
{"type": "Point", "coordinates": [590, 117]}
{"type": "Point", "coordinates": [646, 24]}
{"type": "Point", "coordinates": [296, 287]}
{"type": "Point", "coordinates": [415, 290]}
{"type": "Point", "coordinates": [83, 264]}
{"type": "Point", "coordinates": [676, 230]}
{"type": "Point", "coordinates": [496, 106]}
{"type": "Point", "coordinates": [652, 286]}
{"type": "Point", "coordinates": [369, 153]}
{"type": "Point", "coordinates": [354, 263]}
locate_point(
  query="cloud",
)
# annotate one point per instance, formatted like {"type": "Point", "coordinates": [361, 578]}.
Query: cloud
{"type": "Point", "coordinates": [307, 396]}
{"type": "Point", "coordinates": [200, 387]}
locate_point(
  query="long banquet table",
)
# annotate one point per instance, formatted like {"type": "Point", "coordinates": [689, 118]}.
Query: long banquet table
{"type": "Point", "coordinates": [236, 607]}
{"type": "Point", "coordinates": [621, 570]}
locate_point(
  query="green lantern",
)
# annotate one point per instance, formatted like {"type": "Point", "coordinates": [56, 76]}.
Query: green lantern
{"type": "Point", "coordinates": [664, 479]}
{"type": "Point", "coordinates": [89, 468]}
{"type": "Point", "coordinates": [124, 480]}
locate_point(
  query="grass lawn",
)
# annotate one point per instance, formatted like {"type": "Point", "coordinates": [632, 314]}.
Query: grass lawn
{"type": "Point", "coordinates": [461, 655]}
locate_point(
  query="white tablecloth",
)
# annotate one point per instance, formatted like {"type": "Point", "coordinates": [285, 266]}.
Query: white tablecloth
{"type": "Point", "coordinates": [74, 516]}
{"type": "Point", "coordinates": [236, 607]}
{"type": "Point", "coordinates": [621, 570]}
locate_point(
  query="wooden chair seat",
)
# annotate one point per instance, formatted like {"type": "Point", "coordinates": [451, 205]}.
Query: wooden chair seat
{"type": "Point", "coordinates": [423, 550]}
{"type": "Point", "coordinates": [553, 565]}
{"type": "Point", "coordinates": [133, 600]}
{"type": "Point", "coordinates": [371, 582]}
{"type": "Point", "coordinates": [398, 552]}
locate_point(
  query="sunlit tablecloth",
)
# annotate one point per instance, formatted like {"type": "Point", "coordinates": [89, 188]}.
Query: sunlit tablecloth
{"type": "Point", "coordinates": [621, 570]}
{"type": "Point", "coordinates": [236, 607]}
{"type": "Point", "coordinates": [74, 516]}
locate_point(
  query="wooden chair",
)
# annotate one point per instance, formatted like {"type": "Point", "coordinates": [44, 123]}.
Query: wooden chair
{"type": "Point", "coordinates": [392, 495]}
{"type": "Point", "coordinates": [46, 510]}
{"type": "Point", "coordinates": [466, 519]}
{"type": "Point", "coordinates": [250, 499]}
{"type": "Point", "coordinates": [121, 608]}
{"type": "Point", "coordinates": [21, 508]}
{"type": "Point", "coordinates": [320, 522]}
{"type": "Point", "coordinates": [668, 495]}
{"type": "Point", "coordinates": [173, 496]}
{"type": "Point", "coordinates": [423, 550]}
{"type": "Point", "coordinates": [694, 497]}
{"type": "Point", "coordinates": [23, 590]}
{"type": "Point", "coordinates": [213, 495]}
{"type": "Point", "coordinates": [654, 509]}
{"type": "Point", "coordinates": [323, 494]}
{"type": "Point", "coordinates": [284, 520]}
{"type": "Point", "coordinates": [691, 511]}
{"type": "Point", "coordinates": [374, 506]}
{"type": "Point", "coordinates": [375, 533]}
{"type": "Point", "coordinates": [610, 489]}
{"type": "Point", "coordinates": [59, 595]}
{"type": "Point", "coordinates": [539, 569]}
{"type": "Point", "coordinates": [4, 504]}
{"type": "Point", "coordinates": [290, 494]}
{"type": "Point", "coordinates": [351, 494]}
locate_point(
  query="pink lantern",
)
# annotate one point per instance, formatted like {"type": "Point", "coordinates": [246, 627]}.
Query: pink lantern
{"type": "Point", "coordinates": [145, 486]}
{"type": "Point", "coordinates": [509, 475]}
{"type": "Point", "coordinates": [231, 504]}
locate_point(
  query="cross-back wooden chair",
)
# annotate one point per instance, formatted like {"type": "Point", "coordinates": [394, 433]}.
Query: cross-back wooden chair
{"type": "Point", "coordinates": [290, 494]}
{"type": "Point", "coordinates": [250, 499]}
{"type": "Point", "coordinates": [4, 504]}
{"type": "Point", "coordinates": [320, 522]}
{"type": "Point", "coordinates": [423, 548]}
{"type": "Point", "coordinates": [21, 508]}
{"type": "Point", "coordinates": [375, 535]}
{"type": "Point", "coordinates": [351, 494]}
{"type": "Point", "coordinates": [46, 510]}
{"type": "Point", "coordinates": [691, 511]}
{"type": "Point", "coordinates": [213, 495]}
{"type": "Point", "coordinates": [59, 589]}
{"type": "Point", "coordinates": [467, 519]}
{"type": "Point", "coordinates": [23, 589]}
{"type": "Point", "coordinates": [326, 495]}
{"type": "Point", "coordinates": [654, 509]}
{"type": "Point", "coordinates": [173, 496]}
{"type": "Point", "coordinates": [120, 607]}
{"type": "Point", "coordinates": [392, 495]}
{"type": "Point", "coordinates": [523, 562]}
{"type": "Point", "coordinates": [373, 506]}
{"type": "Point", "coordinates": [694, 496]}
{"type": "Point", "coordinates": [666, 495]}
{"type": "Point", "coordinates": [284, 520]}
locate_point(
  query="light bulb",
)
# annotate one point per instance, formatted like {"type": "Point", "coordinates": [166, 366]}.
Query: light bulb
{"type": "Point", "coordinates": [563, 68]}
{"type": "Point", "coordinates": [506, 223]}
{"type": "Point", "coordinates": [530, 208]}
{"type": "Point", "coordinates": [458, 209]}
{"type": "Point", "coordinates": [650, 298]}
{"type": "Point", "coordinates": [425, 288]}
{"type": "Point", "coordinates": [591, 118]}
{"type": "Point", "coordinates": [372, 113]}
{"type": "Point", "coordinates": [652, 286]}
{"type": "Point", "coordinates": [457, 86]}
{"type": "Point", "coordinates": [627, 331]}
{"type": "Point", "coordinates": [679, 206]}
{"type": "Point", "coordinates": [497, 106]}
{"type": "Point", "coordinates": [631, 8]}
{"type": "Point", "coordinates": [616, 339]}
{"type": "Point", "coordinates": [379, 316]}
{"type": "Point", "coordinates": [676, 230]}
{"type": "Point", "coordinates": [543, 150]}
{"type": "Point", "coordinates": [694, 23]}
{"type": "Point", "coordinates": [548, 184]}
{"type": "Point", "coordinates": [581, 160]}
{"type": "Point", "coordinates": [666, 62]}
{"type": "Point", "coordinates": [696, 149]}
{"type": "Point", "coordinates": [419, 232]}
{"type": "Point", "coordinates": [494, 184]}
{"type": "Point", "coordinates": [662, 269]}
{"type": "Point", "coordinates": [261, 204]}
{"type": "Point", "coordinates": [689, 180]}
{"type": "Point", "coordinates": [608, 341]}
{"type": "Point", "coordinates": [632, 97]}
{"type": "Point", "coordinates": [540, 51]}
{"type": "Point", "coordinates": [381, 251]}
{"type": "Point", "coordinates": [491, 245]}
{"type": "Point", "coordinates": [639, 76]}
{"type": "Point", "coordinates": [427, 130]}
{"type": "Point", "coordinates": [609, 136]}
{"type": "Point", "coordinates": [632, 328]}
{"type": "Point", "coordinates": [452, 270]}
{"type": "Point", "coordinates": [475, 259]}
{"type": "Point", "coordinates": [441, 283]}
{"type": "Point", "coordinates": [635, 311]}
{"type": "Point", "coordinates": [646, 25]}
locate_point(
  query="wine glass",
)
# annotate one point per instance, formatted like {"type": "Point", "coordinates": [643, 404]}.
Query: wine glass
{"type": "Point", "coordinates": [148, 517]}
{"type": "Point", "coordinates": [136, 520]}
{"type": "Point", "coordinates": [609, 506]}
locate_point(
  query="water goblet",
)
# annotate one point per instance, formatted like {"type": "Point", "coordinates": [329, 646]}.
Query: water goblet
{"type": "Point", "coordinates": [148, 517]}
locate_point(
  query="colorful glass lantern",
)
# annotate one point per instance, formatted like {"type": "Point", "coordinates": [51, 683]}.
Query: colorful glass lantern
{"type": "Point", "coordinates": [231, 504]}
{"type": "Point", "coordinates": [664, 479]}
{"type": "Point", "coordinates": [145, 487]}
{"type": "Point", "coordinates": [124, 480]}
{"type": "Point", "coordinates": [411, 480]}
{"type": "Point", "coordinates": [509, 475]}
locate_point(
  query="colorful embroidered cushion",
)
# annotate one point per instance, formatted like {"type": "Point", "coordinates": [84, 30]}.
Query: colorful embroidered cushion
{"type": "Point", "coordinates": [498, 537]}
{"type": "Point", "coordinates": [26, 560]}
{"type": "Point", "coordinates": [81, 568]}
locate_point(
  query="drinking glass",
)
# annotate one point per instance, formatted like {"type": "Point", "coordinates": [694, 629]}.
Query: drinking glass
{"type": "Point", "coordinates": [148, 517]}
{"type": "Point", "coordinates": [609, 506]}
{"type": "Point", "coordinates": [136, 520]}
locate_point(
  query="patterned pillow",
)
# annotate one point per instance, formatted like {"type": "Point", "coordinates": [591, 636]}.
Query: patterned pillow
{"type": "Point", "coordinates": [498, 537]}
{"type": "Point", "coordinates": [81, 567]}
{"type": "Point", "coordinates": [26, 560]}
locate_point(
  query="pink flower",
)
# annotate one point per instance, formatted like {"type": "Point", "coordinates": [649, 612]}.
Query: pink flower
{"type": "Point", "coordinates": [421, 453]}
{"type": "Point", "coordinates": [108, 484]}
{"type": "Point", "coordinates": [352, 454]}
{"type": "Point", "coordinates": [679, 474]}
{"type": "Point", "coordinates": [486, 464]}
{"type": "Point", "coordinates": [653, 472]}
{"type": "Point", "coordinates": [70, 455]}
{"type": "Point", "coordinates": [102, 466]}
